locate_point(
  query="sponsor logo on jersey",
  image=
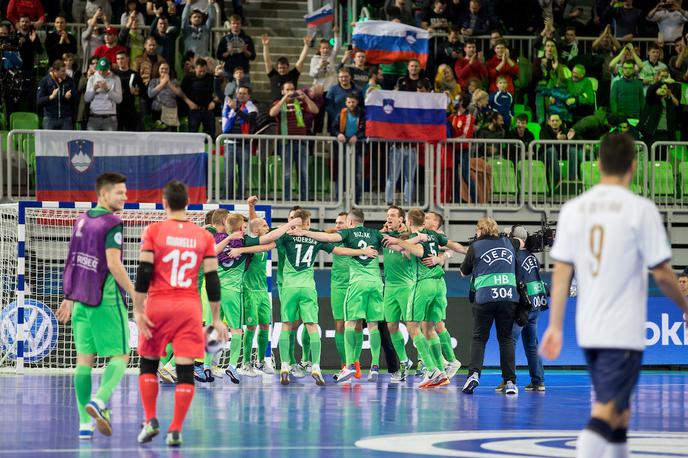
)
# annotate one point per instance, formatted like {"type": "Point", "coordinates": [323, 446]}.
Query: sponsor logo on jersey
{"type": "Point", "coordinates": [496, 255]}
{"type": "Point", "coordinates": [40, 330]}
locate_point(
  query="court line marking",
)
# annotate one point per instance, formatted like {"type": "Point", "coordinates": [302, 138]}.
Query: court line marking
{"type": "Point", "coordinates": [184, 448]}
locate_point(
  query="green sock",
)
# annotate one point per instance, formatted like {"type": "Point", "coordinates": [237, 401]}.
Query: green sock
{"type": "Point", "coordinates": [424, 351]}
{"type": "Point", "coordinates": [447, 350]}
{"type": "Point", "coordinates": [284, 346]}
{"type": "Point", "coordinates": [263, 338]}
{"type": "Point", "coordinates": [436, 351]}
{"type": "Point", "coordinates": [339, 341]}
{"type": "Point", "coordinates": [168, 356]}
{"type": "Point", "coordinates": [399, 347]}
{"type": "Point", "coordinates": [235, 349]}
{"type": "Point", "coordinates": [315, 346]}
{"type": "Point", "coordinates": [305, 344]}
{"type": "Point", "coordinates": [82, 387]}
{"type": "Point", "coordinates": [292, 347]}
{"type": "Point", "coordinates": [375, 343]}
{"type": "Point", "coordinates": [350, 346]}
{"type": "Point", "coordinates": [359, 345]}
{"type": "Point", "coordinates": [208, 359]}
{"type": "Point", "coordinates": [248, 345]}
{"type": "Point", "coordinates": [113, 374]}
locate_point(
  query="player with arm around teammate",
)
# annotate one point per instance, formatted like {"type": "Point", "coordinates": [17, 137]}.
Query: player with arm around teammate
{"type": "Point", "coordinates": [172, 252]}
{"type": "Point", "coordinates": [610, 237]}
{"type": "Point", "coordinates": [98, 314]}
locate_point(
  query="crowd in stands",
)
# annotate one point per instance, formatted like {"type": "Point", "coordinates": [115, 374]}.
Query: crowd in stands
{"type": "Point", "coordinates": [130, 69]}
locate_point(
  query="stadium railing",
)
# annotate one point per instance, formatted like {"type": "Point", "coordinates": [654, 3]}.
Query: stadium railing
{"type": "Point", "coordinates": [559, 170]}
{"type": "Point", "coordinates": [668, 175]}
{"type": "Point", "coordinates": [479, 174]}
{"type": "Point", "coordinates": [281, 171]}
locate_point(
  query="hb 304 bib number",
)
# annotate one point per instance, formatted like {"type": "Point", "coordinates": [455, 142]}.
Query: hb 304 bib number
{"type": "Point", "coordinates": [502, 293]}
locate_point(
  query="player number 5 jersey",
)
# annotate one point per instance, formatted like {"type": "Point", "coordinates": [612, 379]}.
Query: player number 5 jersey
{"type": "Point", "coordinates": [179, 248]}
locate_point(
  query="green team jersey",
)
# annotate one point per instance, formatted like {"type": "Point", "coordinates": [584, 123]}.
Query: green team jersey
{"type": "Point", "coordinates": [113, 239]}
{"type": "Point", "coordinates": [299, 257]}
{"type": "Point", "coordinates": [201, 273]}
{"type": "Point", "coordinates": [362, 268]}
{"type": "Point", "coordinates": [430, 248]}
{"type": "Point", "coordinates": [340, 270]}
{"type": "Point", "coordinates": [256, 277]}
{"type": "Point", "coordinates": [231, 271]}
{"type": "Point", "coordinates": [399, 270]}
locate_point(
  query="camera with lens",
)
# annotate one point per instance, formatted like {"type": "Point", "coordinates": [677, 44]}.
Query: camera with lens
{"type": "Point", "coordinates": [543, 238]}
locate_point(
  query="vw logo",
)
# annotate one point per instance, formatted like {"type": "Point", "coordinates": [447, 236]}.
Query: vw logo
{"type": "Point", "coordinates": [41, 328]}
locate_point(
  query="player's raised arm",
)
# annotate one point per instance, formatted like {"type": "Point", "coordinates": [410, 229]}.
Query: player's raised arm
{"type": "Point", "coordinates": [561, 282]}
{"type": "Point", "coordinates": [456, 246]}
{"type": "Point", "coordinates": [343, 251]}
{"type": "Point", "coordinates": [237, 252]}
{"type": "Point", "coordinates": [222, 244]}
{"type": "Point", "coordinates": [323, 237]}
{"type": "Point", "coordinates": [144, 276]}
{"type": "Point", "coordinates": [410, 245]}
{"type": "Point", "coordinates": [251, 202]}
{"type": "Point", "coordinates": [212, 285]}
{"type": "Point", "coordinates": [271, 237]}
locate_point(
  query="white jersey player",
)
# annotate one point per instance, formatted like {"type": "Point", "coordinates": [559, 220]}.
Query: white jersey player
{"type": "Point", "coordinates": [610, 237]}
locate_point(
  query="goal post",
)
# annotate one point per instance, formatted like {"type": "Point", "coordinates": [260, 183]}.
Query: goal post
{"type": "Point", "coordinates": [34, 240]}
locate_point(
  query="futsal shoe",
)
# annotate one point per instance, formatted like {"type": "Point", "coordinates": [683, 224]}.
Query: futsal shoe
{"type": "Point", "coordinates": [167, 374]}
{"type": "Point", "coordinates": [317, 376]}
{"type": "Point", "coordinates": [149, 429]}
{"type": "Point", "coordinates": [209, 377]}
{"type": "Point", "coordinates": [269, 366]}
{"type": "Point", "coordinates": [307, 367]}
{"type": "Point", "coordinates": [358, 374]}
{"type": "Point", "coordinates": [374, 373]}
{"type": "Point", "coordinates": [284, 375]}
{"type": "Point", "coordinates": [500, 387]}
{"type": "Point", "coordinates": [336, 376]}
{"type": "Point", "coordinates": [298, 371]}
{"type": "Point", "coordinates": [420, 370]}
{"type": "Point", "coordinates": [439, 380]}
{"type": "Point", "coordinates": [218, 372]}
{"type": "Point", "coordinates": [535, 387]}
{"type": "Point", "coordinates": [232, 374]}
{"type": "Point", "coordinates": [86, 431]}
{"type": "Point", "coordinates": [452, 368]}
{"type": "Point", "coordinates": [427, 379]}
{"type": "Point", "coordinates": [96, 409]}
{"type": "Point", "coordinates": [510, 388]}
{"type": "Point", "coordinates": [398, 377]}
{"type": "Point", "coordinates": [199, 373]}
{"type": "Point", "coordinates": [256, 369]}
{"type": "Point", "coordinates": [174, 438]}
{"type": "Point", "coordinates": [471, 384]}
{"type": "Point", "coordinates": [345, 374]}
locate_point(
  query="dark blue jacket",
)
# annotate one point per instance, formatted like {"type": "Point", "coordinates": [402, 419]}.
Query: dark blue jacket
{"type": "Point", "coordinates": [60, 107]}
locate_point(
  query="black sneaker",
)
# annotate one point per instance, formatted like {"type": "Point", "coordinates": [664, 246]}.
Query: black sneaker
{"type": "Point", "coordinates": [174, 438]}
{"type": "Point", "coordinates": [149, 430]}
{"type": "Point", "coordinates": [471, 384]}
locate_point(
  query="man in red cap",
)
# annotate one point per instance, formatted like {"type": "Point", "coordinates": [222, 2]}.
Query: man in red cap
{"type": "Point", "coordinates": [111, 47]}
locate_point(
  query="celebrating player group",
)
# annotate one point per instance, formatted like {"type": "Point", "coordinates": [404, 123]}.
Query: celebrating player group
{"type": "Point", "coordinates": [189, 276]}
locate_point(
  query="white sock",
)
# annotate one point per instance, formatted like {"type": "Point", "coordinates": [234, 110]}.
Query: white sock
{"type": "Point", "coordinates": [616, 450]}
{"type": "Point", "coordinates": [590, 445]}
{"type": "Point", "coordinates": [316, 367]}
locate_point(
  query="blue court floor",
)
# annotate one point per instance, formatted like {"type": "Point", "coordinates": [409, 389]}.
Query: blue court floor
{"type": "Point", "coordinates": [262, 418]}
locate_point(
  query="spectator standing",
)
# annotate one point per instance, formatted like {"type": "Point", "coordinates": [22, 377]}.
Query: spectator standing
{"type": "Point", "coordinates": [627, 96]}
{"type": "Point", "coordinates": [581, 95]}
{"type": "Point", "coordinates": [132, 9]}
{"type": "Point", "coordinates": [110, 49]}
{"type": "Point", "coordinates": [502, 101]}
{"type": "Point", "coordinates": [103, 93]}
{"type": "Point", "coordinates": [69, 60]}
{"type": "Point", "coordinates": [145, 63]}
{"type": "Point", "coordinates": [480, 104]}
{"type": "Point", "coordinates": [59, 41]}
{"type": "Point", "coordinates": [410, 82]}
{"type": "Point", "coordinates": [239, 116]}
{"type": "Point", "coordinates": [462, 126]}
{"type": "Point", "coordinates": [553, 130]}
{"type": "Point", "coordinates": [398, 9]}
{"type": "Point", "coordinates": [31, 8]}
{"type": "Point", "coordinates": [569, 46]}
{"type": "Point", "coordinates": [336, 97]}
{"type": "Point", "coordinates": [29, 45]}
{"type": "Point", "coordinates": [81, 11]}
{"type": "Point", "coordinates": [289, 113]}
{"type": "Point", "coordinates": [350, 130]}
{"type": "Point", "coordinates": [323, 64]}
{"type": "Point", "coordinates": [359, 69]}
{"type": "Point", "coordinates": [281, 73]}
{"type": "Point", "coordinates": [238, 80]}
{"type": "Point", "coordinates": [93, 36]}
{"type": "Point", "coordinates": [131, 36]}
{"type": "Point", "coordinates": [470, 67]}
{"type": "Point", "coordinates": [197, 29]}
{"type": "Point", "coordinates": [549, 74]}
{"type": "Point", "coordinates": [478, 21]}
{"type": "Point", "coordinates": [450, 50]}
{"type": "Point", "coordinates": [446, 82]}
{"type": "Point", "coordinates": [658, 118]}
{"type": "Point", "coordinates": [581, 14]}
{"type": "Point", "coordinates": [57, 96]}
{"type": "Point", "coordinates": [678, 64]}
{"type": "Point", "coordinates": [199, 97]}
{"type": "Point", "coordinates": [603, 48]}
{"type": "Point", "coordinates": [501, 64]}
{"type": "Point", "coordinates": [652, 65]}
{"type": "Point", "coordinates": [128, 118]}
{"type": "Point", "coordinates": [236, 49]}
{"type": "Point", "coordinates": [670, 18]}
{"type": "Point", "coordinates": [626, 19]}
{"type": "Point", "coordinates": [164, 91]}
{"type": "Point", "coordinates": [84, 107]}
{"type": "Point", "coordinates": [166, 37]}
{"type": "Point", "coordinates": [375, 77]}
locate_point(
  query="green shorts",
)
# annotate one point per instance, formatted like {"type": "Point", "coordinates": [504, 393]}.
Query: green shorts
{"type": "Point", "coordinates": [102, 330]}
{"type": "Point", "coordinates": [231, 308]}
{"type": "Point", "coordinates": [337, 296]}
{"type": "Point", "coordinates": [395, 302]}
{"type": "Point", "coordinates": [429, 301]}
{"type": "Point", "coordinates": [257, 307]}
{"type": "Point", "coordinates": [364, 302]}
{"type": "Point", "coordinates": [299, 303]}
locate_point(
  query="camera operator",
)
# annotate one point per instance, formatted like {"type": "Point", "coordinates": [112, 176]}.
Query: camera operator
{"type": "Point", "coordinates": [533, 291]}
{"type": "Point", "coordinates": [491, 262]}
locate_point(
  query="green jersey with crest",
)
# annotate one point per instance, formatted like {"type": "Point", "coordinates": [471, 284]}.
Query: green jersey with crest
{"type": "Point", "coordinates": [299, 257]}
{"type": "Point", "coordinates": [362, 268]}
{"type": "Point", "coordinates": [340, 270]}
{"type": "Point", "coordinates": [430, 248]}
{"type": "Point", "coordinates": [399, 269]}
{"type": "Point", "coordinates": [256, 277]}
{"type": "Point", "coordinates": [231, 271]}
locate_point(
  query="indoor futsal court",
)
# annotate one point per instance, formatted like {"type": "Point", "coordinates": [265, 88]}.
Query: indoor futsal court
{"type": "Point", "coordinates": [260, 417]}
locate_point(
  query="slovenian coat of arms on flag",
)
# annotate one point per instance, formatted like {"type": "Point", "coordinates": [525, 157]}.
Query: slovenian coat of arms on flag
{"type": "Point", "coordinates": [320, 16]}
{"type": "Point", "coordinates": [386, 42]}
{"type": "Point", "coordinates": [412, 116]}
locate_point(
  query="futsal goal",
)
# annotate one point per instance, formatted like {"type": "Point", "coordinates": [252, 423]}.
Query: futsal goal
{"type": "Point", "coordinates": [34, 240]}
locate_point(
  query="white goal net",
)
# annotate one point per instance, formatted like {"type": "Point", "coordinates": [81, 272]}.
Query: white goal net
{"type": "Point", "coordinates": [49, 344]}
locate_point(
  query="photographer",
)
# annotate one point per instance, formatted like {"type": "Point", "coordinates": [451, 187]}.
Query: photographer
{"type": "Point", "coordinates": [491, 262]}
{"type": "Point", "coordinates": [534, 298]}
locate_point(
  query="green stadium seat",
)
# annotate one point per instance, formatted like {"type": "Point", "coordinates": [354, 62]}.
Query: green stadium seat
{"type": "Point", "coordinates": [678, 154]}
{"type": "Point", "coordinates": [564, 167]}
{"type": "Point", "coordinates": [518, 109]}
{"type": "Point", "coordinates": [590, 174]}
{"type": "Point", "coordinates": [320, 173]}
{"type": "Point", "coordinates": [503, 177]}
{"type": "Point", "coordinates": [276, 178]}
{"type": "Point", "coordinates": [534, 128]}
{"type": "Point", "coordinates": [256, 178]}
{"type": "Point", "coordinates": [683, 179]}
{"type": "Point", "coordinates": [24, 120]}
{"type": "Point", "coordinates": [663, 179]}
{"type": "Point", "coordinates": [539, 178]}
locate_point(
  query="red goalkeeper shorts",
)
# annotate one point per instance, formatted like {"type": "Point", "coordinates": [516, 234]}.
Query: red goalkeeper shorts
{"type": "Point", "coordinates": [177, 321]}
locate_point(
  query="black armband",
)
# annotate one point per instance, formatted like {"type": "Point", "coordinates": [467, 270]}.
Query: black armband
{"type": "Point", "coordinates": [212, 286]}
{"type": "Point", "coordinates": [143, 277]}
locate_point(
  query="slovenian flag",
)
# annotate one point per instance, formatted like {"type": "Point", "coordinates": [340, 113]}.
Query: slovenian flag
{"type": "Point", "coordinates": [387, 42]}
{"type": "Point", "coordinates": [320, 16]}
{"type": "Point", "coordinates": [68, 162]}
{"type": "Point", "coordinates": [397, 115]}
